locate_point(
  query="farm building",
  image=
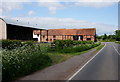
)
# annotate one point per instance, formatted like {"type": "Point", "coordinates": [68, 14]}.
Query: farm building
{"type": "Point", "coordinates": [65, 34]}
{"type": "Point", "coordinates": [15, 32]}
{"type": "Point", "coordinates": [22, 32]}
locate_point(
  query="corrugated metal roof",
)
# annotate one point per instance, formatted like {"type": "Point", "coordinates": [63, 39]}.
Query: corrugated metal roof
{"type": "Point", "coordinates": [17, 23]}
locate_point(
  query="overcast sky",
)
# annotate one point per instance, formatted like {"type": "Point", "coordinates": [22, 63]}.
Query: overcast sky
{"type": "Point", "coordinates": [49, 14]}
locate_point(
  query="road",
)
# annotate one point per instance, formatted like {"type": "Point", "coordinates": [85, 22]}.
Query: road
{"type": "Point", "coordinates": [104, 66]}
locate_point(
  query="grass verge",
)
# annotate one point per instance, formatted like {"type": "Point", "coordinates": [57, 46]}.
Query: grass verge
{"type": "Point", "coordinates": [98, 48]}
{"type": "Point", "coordinates": [117, 42]}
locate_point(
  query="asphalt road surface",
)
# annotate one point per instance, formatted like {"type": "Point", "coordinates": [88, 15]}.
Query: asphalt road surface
{"type": "Point", "coordinates": [104, 66]}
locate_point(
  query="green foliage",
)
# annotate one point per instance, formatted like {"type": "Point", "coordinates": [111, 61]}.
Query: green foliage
{"type": "Point", "coordinates": [79, 48]}
{"type": "Point", "coordinates": [69, 46]}
{"type": "Point", "coordinates": [11, 44]}
{"type": "Point", "coordinates": [60, 44]}
{"type": "Point", "coordinates": [26, 57]}
{"type": "Point", "coordinates": [105, 37]}
{"type": "Point", "coordinates": [117, 42]}
{"type": "Point", "coordinates": [108, 38]}
{"type": "Point", "coordinates": [117, 32]}
{"type": "Point", "coordinates": [24, 60]}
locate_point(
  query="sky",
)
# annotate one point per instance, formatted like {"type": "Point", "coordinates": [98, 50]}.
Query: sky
{"type": "Point", "coordinates": [57, 14]}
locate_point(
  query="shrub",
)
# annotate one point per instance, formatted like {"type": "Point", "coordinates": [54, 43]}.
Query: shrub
{"type": "Point", "coordinates": [61, 44]}
{"type": "Point", "coordinates": [64, 43]}
{"type": "Point", "coordinates": [21, 61]}
{"type": "Point", "coordinates": [79, 48]}
{"type": "Point", "coordinates": [11, 44]}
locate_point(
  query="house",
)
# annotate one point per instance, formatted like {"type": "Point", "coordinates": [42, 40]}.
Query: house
{"type": "Point", "coordinates": [16, 31]}
{"type": "Point", "coordinates": [65, 34]}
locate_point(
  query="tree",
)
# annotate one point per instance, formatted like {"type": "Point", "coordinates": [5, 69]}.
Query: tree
{"type": "Point", "coordinates": [117, 35]}
{"type": "Point", "coordinates": [105, 36]}
{"type": "Point", "coordinates": [111, 37]}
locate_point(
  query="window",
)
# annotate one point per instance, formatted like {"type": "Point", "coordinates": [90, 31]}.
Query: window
{"type": "Point", "coordinates": [43, 36]}
{"type": "Point", "coordinates": [54, 39]}
{"type": "Point", "coordinates": [54, 36]}
{"type": "Point", "coordinates": [50, 39]}
{"type": "Point", "coordinates": [38, 35]}
{"type": "Point", "coordinates": [88, 38]}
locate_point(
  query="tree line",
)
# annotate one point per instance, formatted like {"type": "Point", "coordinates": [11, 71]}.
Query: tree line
{"type": "Point", "coordinates": [105, 37]}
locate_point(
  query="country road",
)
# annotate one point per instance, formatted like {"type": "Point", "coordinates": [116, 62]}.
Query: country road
{"type": "Point", "coordinates": [104, 66]}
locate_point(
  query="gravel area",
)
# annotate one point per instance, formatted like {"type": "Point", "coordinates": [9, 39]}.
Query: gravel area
{"type": "Point", "coordinates": [61, 71]}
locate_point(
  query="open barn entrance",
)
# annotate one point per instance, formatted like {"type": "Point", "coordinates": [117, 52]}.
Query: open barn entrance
{"type": "Point", "coordinates": [15, 32]}
{"type": "Point", "coordinates": [77, 37]}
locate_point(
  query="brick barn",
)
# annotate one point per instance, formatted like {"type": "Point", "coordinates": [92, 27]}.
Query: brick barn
{"type": "Point", "coordinates": [65, 34]}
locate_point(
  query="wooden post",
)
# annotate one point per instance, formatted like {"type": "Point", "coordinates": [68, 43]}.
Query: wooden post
{"type": "Point", "coordinates": [47, 35]}
{"type": "Point", "coordinates": [40, 35]}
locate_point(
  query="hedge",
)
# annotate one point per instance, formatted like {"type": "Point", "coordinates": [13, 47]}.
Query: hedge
{"type": "Point", "coordinates": [67, 43]}
{"type": "Point", "coordinates": [13, 44]}
{"type": "Point", "coordinates": [22, 61]}
{"type": "Point", "coordinates": [79, 48]}
{"type": "Point", "coordinates": [61, 44]}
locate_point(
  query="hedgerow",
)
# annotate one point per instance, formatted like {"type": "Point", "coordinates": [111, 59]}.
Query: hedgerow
{"type": "Point", "coordinates": [22, 61]}
{"type": "Point", "coordinates": [67, 43]}
{"type": "Point", "coordinates": [13, 44]}
{"type": "Point", "coordinates": [79, 48]}
{"type": "Point", "coordinates": [61, 44]}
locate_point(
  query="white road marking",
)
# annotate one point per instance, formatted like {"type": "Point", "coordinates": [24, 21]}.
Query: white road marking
{"type": "Point", "coordinates": [85, 64]}
{"type": "Point", "coordinates": [115, 49]}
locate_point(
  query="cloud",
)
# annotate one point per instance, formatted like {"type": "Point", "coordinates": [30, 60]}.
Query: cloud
{"type": "Point", "coordinates": [6, 7]}
{"type": "Point", "coordinates": [52, 10]}
{"type": "Point", "coordinates": [57, 23]}
{"type": "Point", "coordinates": [51, 5]}
{"type": "Point", "coordinates": [31, 12]}
{"type": "Point", "coordinates": [60, 0]}
{"type": "Point", "coordinates": [54, 5]}
{"type": "Point", "coordinates": [17, 0]}
{"type": "Point", "coordinates": [94, 4]}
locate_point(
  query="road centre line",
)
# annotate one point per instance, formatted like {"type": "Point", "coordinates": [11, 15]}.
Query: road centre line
{"type": "Point", "coordinates": [115, 49]}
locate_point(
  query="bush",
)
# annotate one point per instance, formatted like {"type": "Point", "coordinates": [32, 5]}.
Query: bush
{"type": "Point", "coordinates": [11, 44]}
{"type": "Point", "coordinates": [21, 61]}
{"type": "Point", "coordinates": [79, 48]}
{"type": "Point", "coordinates": [61, 44]}
{"type": "Point", "coordinates": [67, 43]}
